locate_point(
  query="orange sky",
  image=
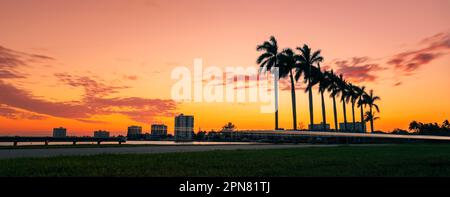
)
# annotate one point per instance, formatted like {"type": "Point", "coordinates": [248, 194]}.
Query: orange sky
{"type": "Point", "coordinates": [89, 65]}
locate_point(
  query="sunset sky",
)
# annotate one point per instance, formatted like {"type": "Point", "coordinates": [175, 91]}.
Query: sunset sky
{"type": "Point", "coordinates": [106, 64]}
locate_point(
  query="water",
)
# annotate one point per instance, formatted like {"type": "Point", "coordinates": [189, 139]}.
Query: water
{"type": "Point", "coordinates": [128, 142]}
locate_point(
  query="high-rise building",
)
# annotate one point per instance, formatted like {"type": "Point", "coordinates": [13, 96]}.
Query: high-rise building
{"type": "Point", "coordinates": [101, 134]}
{"type": "Point", "coordinates": [184, 127]}
{"type": "Point", "coordinates": [60, 132]}
{"type": "Point", "coordinates": [134, 131]}
{"type": "Point", "coordinates": [158, 130]}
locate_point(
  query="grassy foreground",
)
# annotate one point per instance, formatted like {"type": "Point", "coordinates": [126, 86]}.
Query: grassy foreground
{"type": "Point", "coordinates": [390, 160]}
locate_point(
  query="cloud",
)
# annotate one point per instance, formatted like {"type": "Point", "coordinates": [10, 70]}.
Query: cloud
{"type": "Point", "coordinates": [130, 77]}
{"type": "Point", "coordinates": [11, 60]}
{"type": "Point", "coordinates": [138, 109]}
{"type": "Point", "coordinates": [245, 79]}
{"type": "Point", "coordinates": [8, 74]}
{"type": "Point", "coordinates": [285, 85]}
{"type": "Point", "coordinates": [429, 49]}
{"type": "Point", "coordinates": [397, 83]}
{"type": "Point", "coordinates": [22, 99]}
{"type": "Point", "coordinates": [11, 113]}
{"type": "Point", "coordinates": [91, 87]}
{"type": "Point", "coordinates": [358, 69]}
{"type": "Point", "coordinates": [239, 81]}
{"type": "Point", "coordinates": [18, 103]}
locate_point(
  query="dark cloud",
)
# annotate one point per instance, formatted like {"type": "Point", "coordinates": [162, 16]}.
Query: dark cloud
{"type": "Point", "coordinates": [430, 49]}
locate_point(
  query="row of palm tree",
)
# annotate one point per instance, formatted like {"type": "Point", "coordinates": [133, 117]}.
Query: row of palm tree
{"type": "Point", "coordinates": [304, 66]}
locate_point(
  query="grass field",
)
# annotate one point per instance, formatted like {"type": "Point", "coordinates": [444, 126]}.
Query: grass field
{"type": "Point", "coordinates": [389, 160]}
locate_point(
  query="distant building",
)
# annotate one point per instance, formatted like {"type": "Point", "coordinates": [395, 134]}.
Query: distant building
{"type": "Point", "coordinates": [318, 127]}
{"type": "Point", "coordinates": [184, 127]}
{"type": "Point", "coordinates": [101, 134]}
{"type": "Point", "coordinates": [158, 130]}
{"type": "Point", "coordinates": [60, 132]}
{"type": "Point", "coordinates": [358, 127]}
{"type": "Point", "coordinates": [134, 131]}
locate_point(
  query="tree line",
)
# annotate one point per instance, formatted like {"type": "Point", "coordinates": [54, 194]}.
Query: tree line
{"type": "Point", "coordinates": [303, 66]}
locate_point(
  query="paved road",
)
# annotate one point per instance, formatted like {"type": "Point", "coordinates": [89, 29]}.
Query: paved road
{"type": "Point", "coordinates": [52, 152]}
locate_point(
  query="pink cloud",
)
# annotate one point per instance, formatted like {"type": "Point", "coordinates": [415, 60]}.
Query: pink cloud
{"type": "Point", "coordinates": [431, 48]}
{"type": "Point", "coordinates": [92, 87]}
{"type": "Point", "coordinates": [358, 69]}
{"type": "Point", "coordinates": [11, 60]}
{"type": "Point", "coordinates": [138, 109]}
{"type": "Point", "coordinates": [11, 113]}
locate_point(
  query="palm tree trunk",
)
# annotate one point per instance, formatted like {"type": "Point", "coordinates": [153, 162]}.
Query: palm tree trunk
{"type": "Point", "coordinates": [353, 116]}
{"type": "Point", "coordinates": [324, 115]}
{"type": "Point", "coordinates": [335, 114]}
{"type": "Point", "coordinates": [363, 123]}
{"type": "Point", "coordinates": [371, 120]}
{"type": "Point", "coordinates": [311, 111]}
{"type": "Point", "coordinates": [345, 115]}
{"type": "Point", "coordinates": [294, 109]}
{"type": "Point", "coordinates": [275, 86]}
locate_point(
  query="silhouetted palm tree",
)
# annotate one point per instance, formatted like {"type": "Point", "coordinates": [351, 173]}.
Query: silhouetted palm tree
{"type": "Point", "coordinates": [333, 88]}
{"type": "Point", "coordinates": [343, 88]}
{"type": "Point", "coordinates": [321, 78]}
{"type": "Point", "coordinates": [304, 64]}
{"type": "Point", "coordinates": [307, 61]}
{"type": "Point", "coordinates": [267, 61]}
{"type": "Point", "coordinates": [352, 98]}
{"type": "Point", "coordinates": [370, 100]}
{"type": "Point", "coordinates": [370, 116]}
{"type": "Point", "coordinates": [361, 92]}
{"type": "Point", "coordinates": [287, 63]}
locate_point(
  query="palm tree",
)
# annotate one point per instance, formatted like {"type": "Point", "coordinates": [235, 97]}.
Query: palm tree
{"type": "Point", "coordinates": [333, 88]}
{"type": "Point", "coordinates": [287, 63]}
{"type": "Point", "coordinates": [370, 100]}
{"type": "Point", "coordinates": [307, 61]}
{"type": "Point", "coordinates": [343, 88]}
{"type": "Point", "coordinates": [361, 91]}
{"type": "Point", "coordinates": [268, 60]}
{"type": "Point", "coordinates": [352, 98]}
{"type": "Point", "coordinates": [321, 78]}
{"type": "Point", "coordinates": [368, 116]}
